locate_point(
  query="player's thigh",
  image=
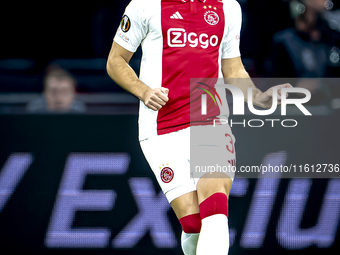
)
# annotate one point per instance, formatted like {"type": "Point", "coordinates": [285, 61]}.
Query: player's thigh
{"type": "Point", "coordinates": [169, 158]}
{"type": "Point", "coordinates": [213, 150]}
{"type": "Point", "coordinates": [186, 204]}
{"type": "Point", "coordinates": [213, 183]}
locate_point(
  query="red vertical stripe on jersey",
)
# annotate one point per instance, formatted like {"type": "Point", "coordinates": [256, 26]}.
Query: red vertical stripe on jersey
{"type": "Point", "coordinates": [190, 50]}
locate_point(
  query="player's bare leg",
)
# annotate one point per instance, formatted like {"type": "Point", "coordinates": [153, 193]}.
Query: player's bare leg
{"type": "Point", "coordinates": [187, 211]}
{"type": "Point", "coordinates": [213, 192]}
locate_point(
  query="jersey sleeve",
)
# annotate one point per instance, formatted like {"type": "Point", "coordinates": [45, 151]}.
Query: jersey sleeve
{"type": "Point", "coordinates": [231, 40]}
{"type": "Point", "coordinates": [133, 28]}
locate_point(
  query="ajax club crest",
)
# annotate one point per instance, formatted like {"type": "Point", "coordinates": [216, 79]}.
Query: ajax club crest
{"type": "Point", "coordinates": [211, 18]}
{"type": "Point", "coordinates": [167, 174]}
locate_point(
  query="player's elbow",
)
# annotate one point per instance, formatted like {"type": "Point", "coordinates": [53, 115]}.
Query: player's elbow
{"type": "Point", "coordinates": [242, 73]}
{"type": "Point", "coordinates": [232, 73]}
{"type": "Point", "coordinates": [110, 66]}
{"type": "Point", "coordinates": [233, 68]}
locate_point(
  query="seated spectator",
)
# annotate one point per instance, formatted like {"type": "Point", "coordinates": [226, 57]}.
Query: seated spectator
{"type": "Point", "coordinates": [304, 51]}
{"type": "Point", "coordinates": [58, 95]}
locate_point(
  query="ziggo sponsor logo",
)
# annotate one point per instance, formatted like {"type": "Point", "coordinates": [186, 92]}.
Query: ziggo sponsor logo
{"type": "Point", "coordinates": [178, 38]}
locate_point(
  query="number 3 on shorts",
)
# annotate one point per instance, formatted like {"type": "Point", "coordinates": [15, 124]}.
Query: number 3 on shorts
{"type": "Point", "coordinates": [231, 148]}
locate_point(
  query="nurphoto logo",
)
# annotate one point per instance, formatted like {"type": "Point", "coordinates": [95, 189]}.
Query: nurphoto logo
{"type": "Point", "coordinates": [239, 99]}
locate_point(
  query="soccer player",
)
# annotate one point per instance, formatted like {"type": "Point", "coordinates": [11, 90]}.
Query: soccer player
{"type": "Point", "coordinates": [183, 39]}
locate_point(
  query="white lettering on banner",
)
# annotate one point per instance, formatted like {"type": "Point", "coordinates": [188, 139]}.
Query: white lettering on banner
{"type": "Point", "coordinates": [152, 217]}
{"type": "Point", "coordinates": [289, 233]}
{"type": "Point", "coordinates": [14, 169]}
{"type": "Point", "coordinates": [72, 198]}
{"type": "Point", "coordinates": [178, 38]}
{"type": "Point", "coordinates": [262, 203]}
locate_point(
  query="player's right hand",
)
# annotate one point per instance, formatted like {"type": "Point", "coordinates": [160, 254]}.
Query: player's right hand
{"type": "Point", "coordinates": [155, 99]}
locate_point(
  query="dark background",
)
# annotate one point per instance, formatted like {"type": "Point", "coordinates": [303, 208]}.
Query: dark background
{"type": "Point", "coordinates": [74, 29]}
{"type": "Point", "coordinates": [77, 36]}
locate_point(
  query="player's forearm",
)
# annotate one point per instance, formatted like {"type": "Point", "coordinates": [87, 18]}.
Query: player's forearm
{"type": "Point", "coordinates": [125, 77]}
{"type": "Point", "coordinates": [244, 82]}
{"type": "Point", "coordinates": [235, 74]}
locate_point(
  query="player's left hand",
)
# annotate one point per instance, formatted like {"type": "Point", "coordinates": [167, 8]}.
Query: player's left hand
{"type": "Point", "coordinates": [266, 98]}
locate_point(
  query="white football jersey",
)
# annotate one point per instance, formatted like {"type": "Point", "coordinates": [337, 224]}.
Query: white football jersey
{"type": "Point", "coordinates": [181, 40]}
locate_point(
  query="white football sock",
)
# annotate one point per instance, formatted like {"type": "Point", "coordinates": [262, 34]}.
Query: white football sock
{"type": "Point", "coordinates": [189, 243]}
{"type": "Point", "coordinates": [214, 236]}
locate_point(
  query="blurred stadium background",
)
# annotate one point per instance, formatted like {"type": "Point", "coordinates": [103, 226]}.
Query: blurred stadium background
{"type": "Point", "coordinates": [77, 183]}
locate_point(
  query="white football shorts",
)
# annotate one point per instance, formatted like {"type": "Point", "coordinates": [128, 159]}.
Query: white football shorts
{"type": "Point", "coordinates": [209, 149]}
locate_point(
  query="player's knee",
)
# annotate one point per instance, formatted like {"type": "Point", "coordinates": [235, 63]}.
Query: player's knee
{"type": "Point", "coordinates": [213, 195]}
{"type": "Point", "coordinates": [185, 205]}
{"type": "Point", "coordinates": [211, 184]}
